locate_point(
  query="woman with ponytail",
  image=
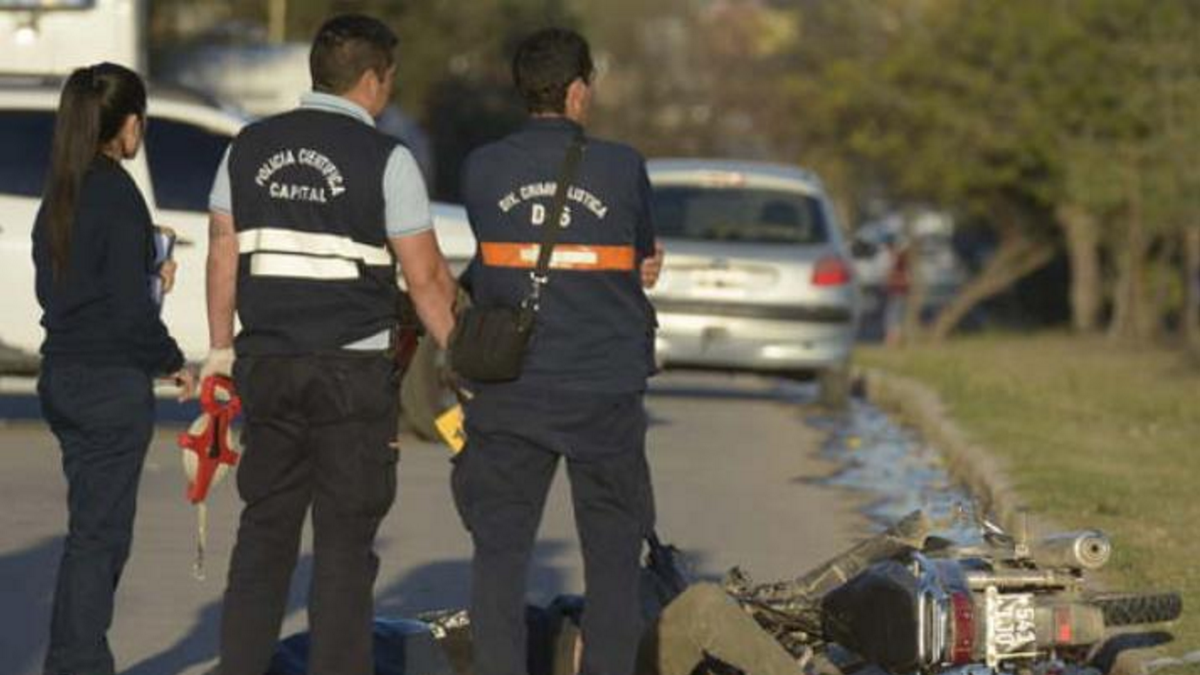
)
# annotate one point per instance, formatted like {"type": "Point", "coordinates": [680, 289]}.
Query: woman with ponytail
{"type": "Point", "coordinates": [105, 343]}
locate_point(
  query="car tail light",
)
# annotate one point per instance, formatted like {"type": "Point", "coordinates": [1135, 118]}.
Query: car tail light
{"type": "Point", "coordinates": [831, 271]}
{"type": "Point", "coordinates": [964, 629]}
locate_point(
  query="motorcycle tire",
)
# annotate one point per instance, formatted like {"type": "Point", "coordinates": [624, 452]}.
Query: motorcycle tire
{"type": "Point", "coordinates": [1128, 609]}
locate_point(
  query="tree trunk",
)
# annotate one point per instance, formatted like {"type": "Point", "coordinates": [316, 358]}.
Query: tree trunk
{"type": "Point", "coordinates": [1083, 249]}
{"type": "Point", "coordinates": [1017, 256]}
{"type": "Point", "coordinates": [1135, 320]}
{"type": "Point", "coordinates": [1129, 297]}
{"type": "Point", "coordinates": [1191, 280]}
{"type": "Point", "coordinates": [1161, 293]}
{"type": "Point", "coordinates": [1122, 326]}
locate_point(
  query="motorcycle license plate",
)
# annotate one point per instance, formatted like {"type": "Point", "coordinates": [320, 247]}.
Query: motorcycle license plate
{"type": "Point", "coordinates": [1011, 630]}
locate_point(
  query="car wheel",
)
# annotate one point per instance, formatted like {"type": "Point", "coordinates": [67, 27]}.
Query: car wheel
{"type": "Point", "coordinates": [423, 393]}
{"type": "Point", "coordinates": [834, 386]}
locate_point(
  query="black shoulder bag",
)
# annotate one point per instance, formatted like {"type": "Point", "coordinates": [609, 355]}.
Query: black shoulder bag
{"type": "Point", "coordinates": [488, 343]}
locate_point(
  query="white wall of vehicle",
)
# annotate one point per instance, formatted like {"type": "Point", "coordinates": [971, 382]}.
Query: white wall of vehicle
{"type": "Point", "coordinates": [185, 310]}
{"type": "Point", "coordinates": [185, 139]}
{"type": "Point", "coordinates": [55, 37]}
{"type": "Point", "coordinates": [20, 327]}
{"type": "Point", "coordinates": [172, 155]}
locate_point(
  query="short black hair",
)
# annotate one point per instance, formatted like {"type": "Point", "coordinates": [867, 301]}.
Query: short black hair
{"type": "Point", "coordinates": [347, 46]}
{"type": "Point", "coordinates": [546, 63]}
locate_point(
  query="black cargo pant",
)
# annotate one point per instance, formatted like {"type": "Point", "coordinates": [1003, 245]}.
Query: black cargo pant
{"type": "Point", "coordinates": [500, 481]}
{"type": "Point", "coordinates": [103, 417]}
{"type": "Point", "coordinates": [316, 434]}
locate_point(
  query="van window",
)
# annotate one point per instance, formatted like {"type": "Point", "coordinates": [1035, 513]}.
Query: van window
{"type": "Point", "coordinates": [183, 160]}
{"type": "Point", "coordinates": [25, 136]}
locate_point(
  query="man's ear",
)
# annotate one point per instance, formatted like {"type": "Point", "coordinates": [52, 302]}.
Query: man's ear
{"type": "Point", "coordinates": [577, 90]}
{"type": "Point", "coordinates": [368, 83]}
{"type": "Point", "coordinates": [577, 100]}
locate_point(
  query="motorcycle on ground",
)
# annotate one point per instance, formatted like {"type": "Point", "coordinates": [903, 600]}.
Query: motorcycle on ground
{"type": "Point", "coordinates": [896, 603]}
{"type": "Point", "coordinates": [908, 603]}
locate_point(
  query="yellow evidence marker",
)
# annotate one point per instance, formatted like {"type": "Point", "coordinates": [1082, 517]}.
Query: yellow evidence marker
{"type": "Point", "coordinates": [450, 425]}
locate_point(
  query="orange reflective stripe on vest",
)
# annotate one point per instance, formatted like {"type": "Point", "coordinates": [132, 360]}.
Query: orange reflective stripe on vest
{"type": "Point", "coordinates": [565, 256]}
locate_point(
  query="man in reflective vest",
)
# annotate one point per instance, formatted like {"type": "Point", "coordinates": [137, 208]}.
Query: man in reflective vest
{"type": "Point", "coordinates": [309, 213]}
{"type": "Point", "coordinates": [580, 392]}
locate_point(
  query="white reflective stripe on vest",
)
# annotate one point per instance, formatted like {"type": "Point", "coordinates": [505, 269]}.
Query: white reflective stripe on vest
{"type": "Point", "coordinates": [301, 266]}
{"type": "Point", "coordinates": [278, 240]}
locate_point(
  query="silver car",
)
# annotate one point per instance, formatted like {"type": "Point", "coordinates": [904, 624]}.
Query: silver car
{"type": "Point", "coordinates": [757, 276]}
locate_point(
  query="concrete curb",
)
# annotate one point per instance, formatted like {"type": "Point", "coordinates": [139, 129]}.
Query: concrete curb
{"type": "Point", "coordinates": [920, 407]}
{"type": "Point", "coordinates": [968, 462]}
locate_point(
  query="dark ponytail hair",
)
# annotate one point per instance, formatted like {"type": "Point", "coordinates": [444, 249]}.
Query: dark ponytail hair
{"type": "Point", "coordinates": [95, 104]}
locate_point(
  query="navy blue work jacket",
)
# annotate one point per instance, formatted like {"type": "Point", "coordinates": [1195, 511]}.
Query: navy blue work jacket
{"type": "Point", "coordinates": [595, 329]}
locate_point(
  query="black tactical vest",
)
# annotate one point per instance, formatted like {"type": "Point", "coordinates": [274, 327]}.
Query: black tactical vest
{"type": "Point", "coordinates": [314, 271]}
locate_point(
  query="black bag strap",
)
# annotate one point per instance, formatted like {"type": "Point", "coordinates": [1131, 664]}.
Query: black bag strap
{"type": "Point", "coordinates": [570, 168]}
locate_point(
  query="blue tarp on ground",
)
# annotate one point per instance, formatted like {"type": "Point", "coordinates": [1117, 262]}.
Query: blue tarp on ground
{"type": "Point", "coordinates": [402, 647]}
{"type": "Point", "coordinates": [409, 647]}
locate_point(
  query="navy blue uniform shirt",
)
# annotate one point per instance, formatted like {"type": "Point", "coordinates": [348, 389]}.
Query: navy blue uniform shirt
{"type": "Point", "coordinates": [595, 330]}
{"type": "Point", "coordinates": [100, 311]}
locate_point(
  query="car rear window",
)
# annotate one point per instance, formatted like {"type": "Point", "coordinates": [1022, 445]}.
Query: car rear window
{"type": "Point", "coordinates": [749, 215]}
{"type": "Point", "coordinates": [25, 137]}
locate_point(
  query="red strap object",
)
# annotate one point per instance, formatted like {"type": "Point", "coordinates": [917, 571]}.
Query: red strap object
{"type": "Point", "coordinates": [210, 438]}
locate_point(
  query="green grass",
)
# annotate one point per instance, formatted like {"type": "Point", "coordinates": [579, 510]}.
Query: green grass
{"type": "Point", "coordinates": [1093, 436]}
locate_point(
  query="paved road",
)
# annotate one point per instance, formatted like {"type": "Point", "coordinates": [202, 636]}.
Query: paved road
{"type": "Point", "coordinates": [728, 456]}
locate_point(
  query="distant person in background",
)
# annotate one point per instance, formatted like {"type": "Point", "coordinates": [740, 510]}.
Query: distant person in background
{"type": "Point", "coordinates": [896, 288]}
{"type": "Point", "coordinates": [105, 343]}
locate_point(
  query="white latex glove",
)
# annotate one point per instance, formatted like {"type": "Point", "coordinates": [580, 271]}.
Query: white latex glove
{"type": "Point", "coordinates": [219, 362]}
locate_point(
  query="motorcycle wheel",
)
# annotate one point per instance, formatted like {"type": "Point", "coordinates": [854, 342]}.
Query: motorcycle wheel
{"type": "Point", "coordinates": [1127, 609]}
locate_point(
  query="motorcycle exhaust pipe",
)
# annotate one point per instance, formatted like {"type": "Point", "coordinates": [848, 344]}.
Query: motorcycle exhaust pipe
{"type": "Point", "coordinates": [1085, 549]}
{"type": "Point", "coordinates": [1007, 580]}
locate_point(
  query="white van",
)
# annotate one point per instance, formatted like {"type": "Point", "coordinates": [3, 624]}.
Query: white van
{"type": "Point", "coordinates": [53, 37]}
{"type": "Point", "coordinates": [185, 138]}
{"type": "Point", "coordinates": [41, 41]}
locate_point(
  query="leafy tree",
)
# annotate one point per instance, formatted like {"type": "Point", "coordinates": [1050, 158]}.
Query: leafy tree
{"type": "Point", "coordinates": [1054, 124]}
{"type": "Point", "coordinates": [1045, 120]}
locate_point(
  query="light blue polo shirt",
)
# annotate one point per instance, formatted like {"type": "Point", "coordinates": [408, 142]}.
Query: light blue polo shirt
{"type": "Point", "coordinates": [406, 202]}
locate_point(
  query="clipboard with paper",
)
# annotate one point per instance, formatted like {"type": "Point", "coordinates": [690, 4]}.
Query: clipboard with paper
{"type": "Point", "coordinates": [163, 239]}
